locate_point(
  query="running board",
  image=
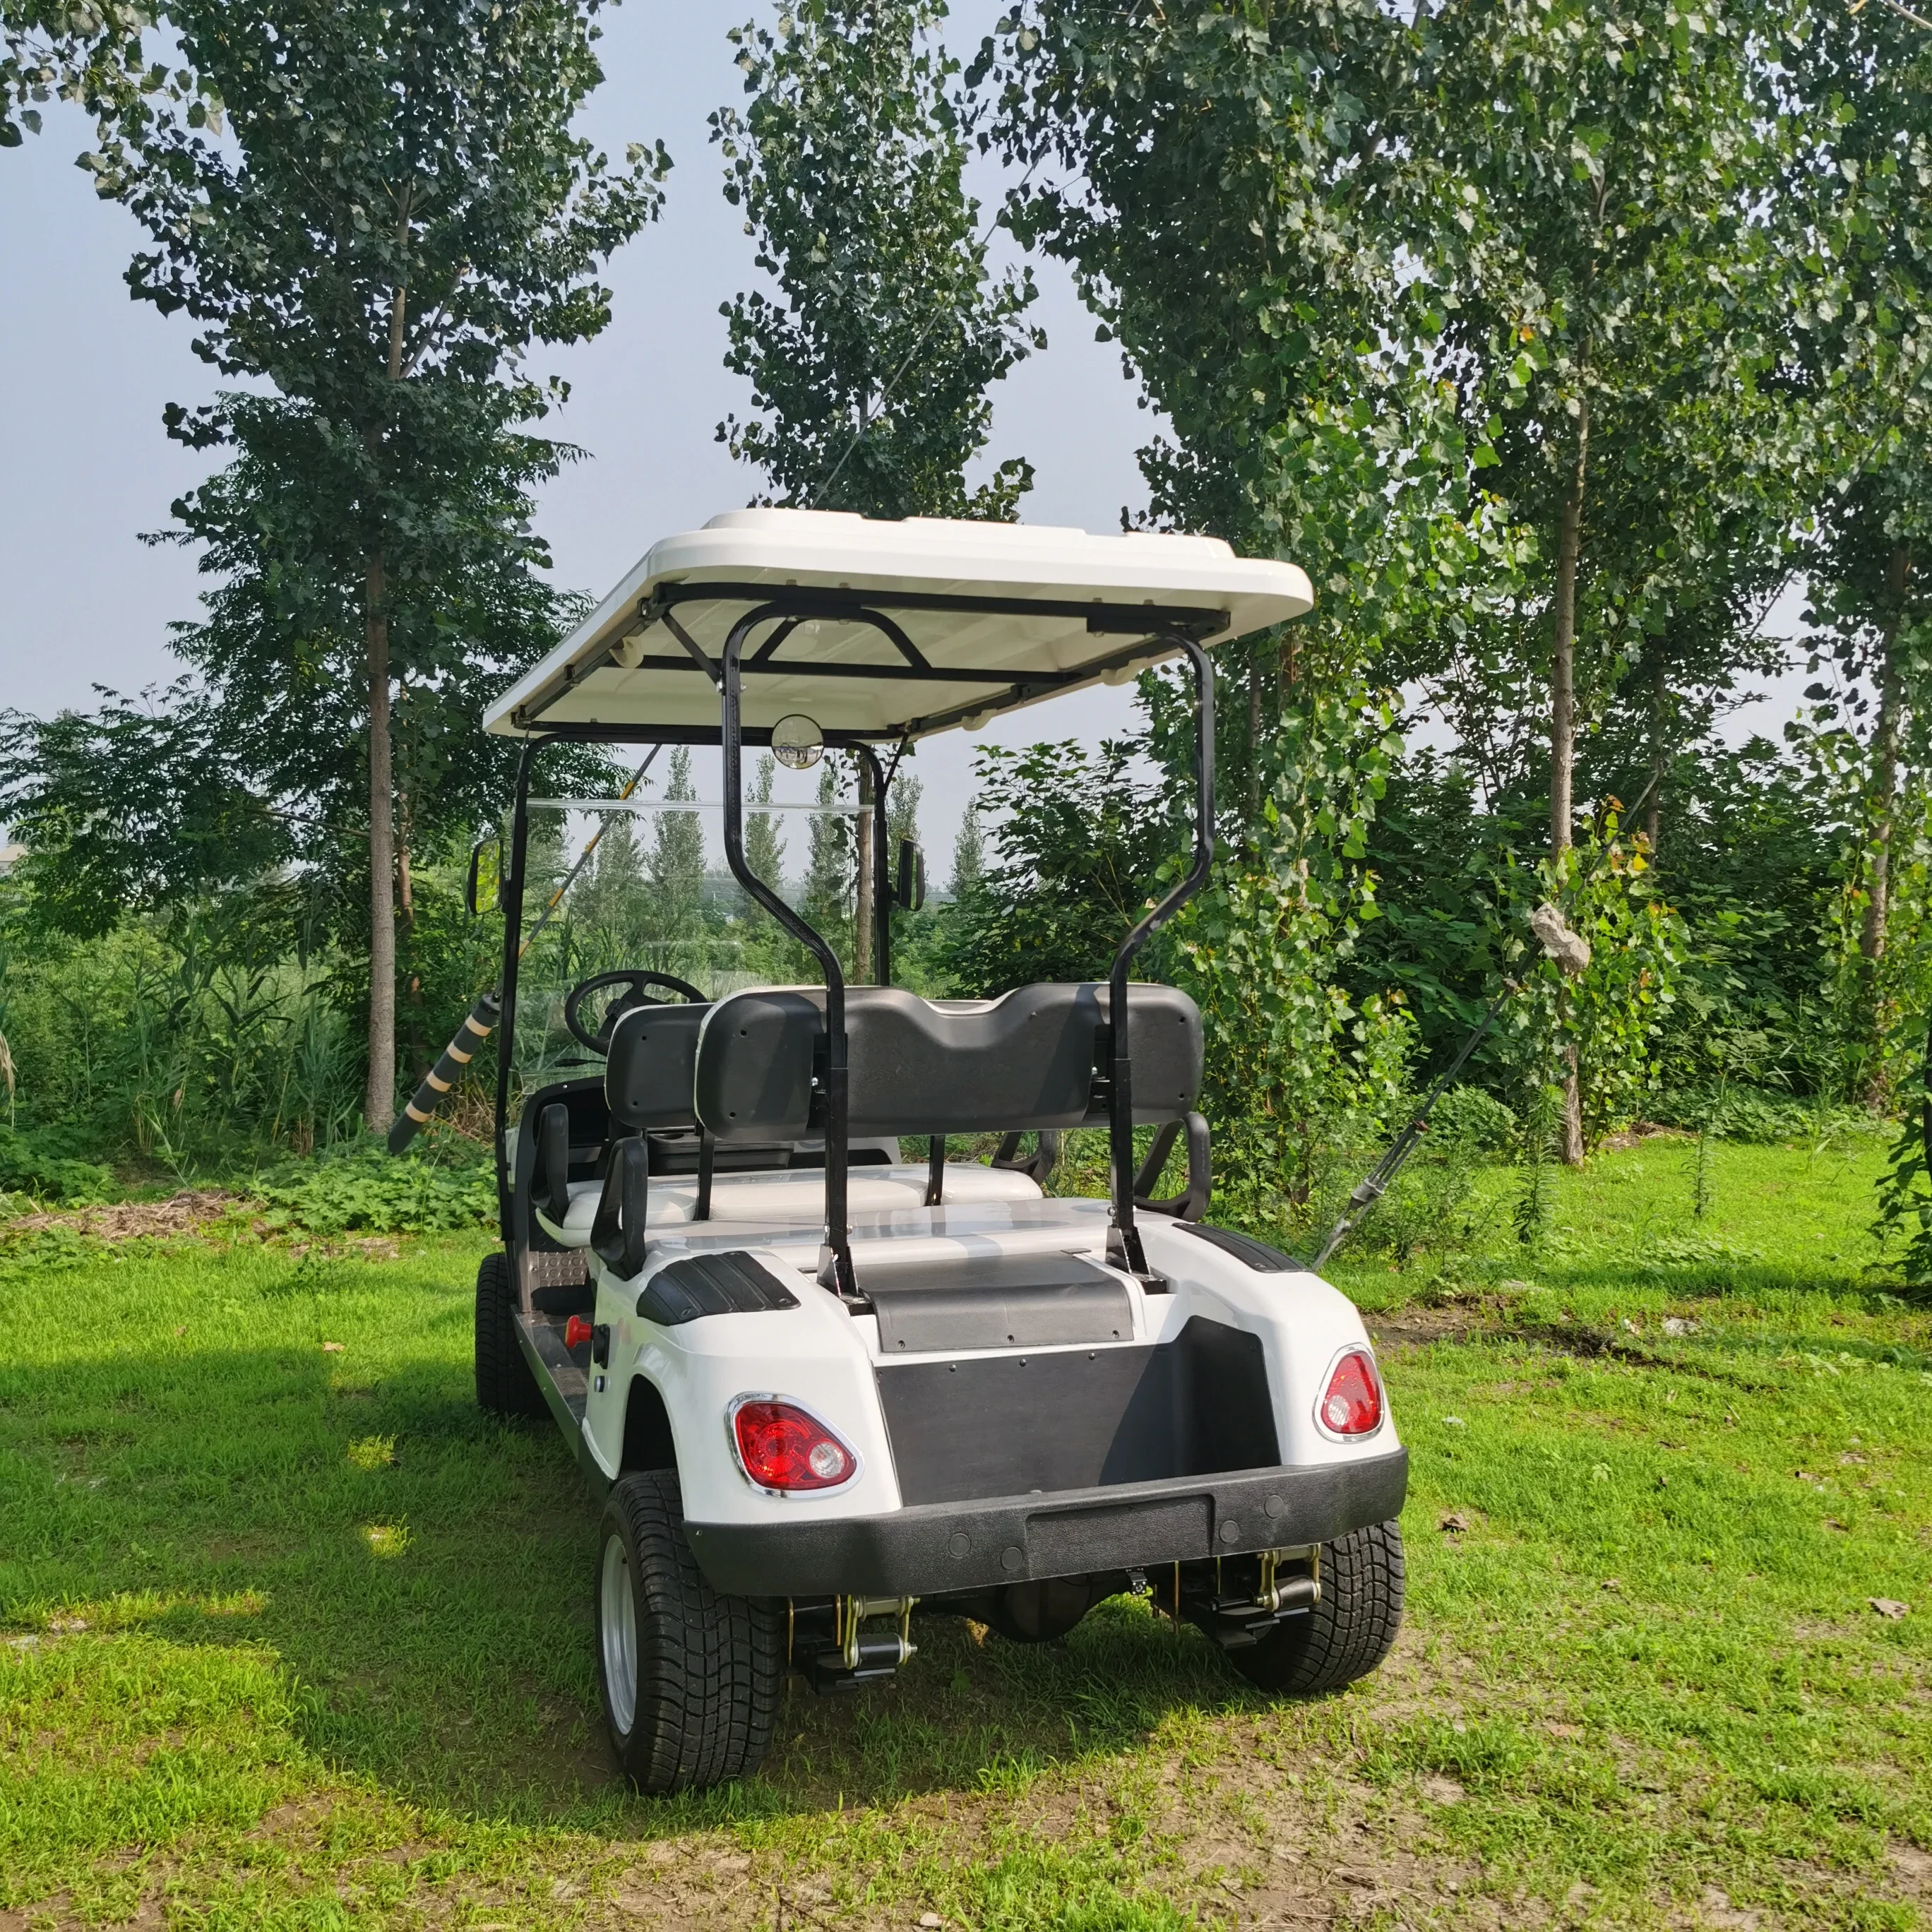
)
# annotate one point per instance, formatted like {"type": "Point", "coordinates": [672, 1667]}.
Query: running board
{"type": "Point", "coordinates": [562, 1381]}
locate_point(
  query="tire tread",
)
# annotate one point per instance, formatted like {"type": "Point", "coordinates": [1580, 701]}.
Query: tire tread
{"type": "Point", "coordinates": [710, 1669]}
{"type": "Point", "coordinates": [505, 1385]}
{"type": "Point", "coordinates": [1349, 1631]}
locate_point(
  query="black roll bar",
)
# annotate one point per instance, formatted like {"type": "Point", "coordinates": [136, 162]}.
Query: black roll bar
{"type": "Point", "coordinates": [882, 888]}
{"type": "Point", "coordinates": [510, 898]}
{"type": "Point", "coordinates": [836, 1268]}
{"type": "Point", "coordinates": [835, 1259]}
{"type": "Point", "coordinates": [1123, 1240]}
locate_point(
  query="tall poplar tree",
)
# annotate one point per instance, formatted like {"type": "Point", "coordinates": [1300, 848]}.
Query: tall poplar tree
{"type": "Point", "coordinates": [870, 369]}
{"type": "Point", "coordinates": [1607, 289]}
{"type": "Point", "coordinates": [399, 212]}
{"type": "Point", "coordinates": [1859, 94]}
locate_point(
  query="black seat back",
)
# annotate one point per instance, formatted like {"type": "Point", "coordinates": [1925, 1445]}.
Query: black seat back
{"type": "Point", "coordinates": [649, 1070]}
{"type": "Point", "coordinates": [1023, 1063]}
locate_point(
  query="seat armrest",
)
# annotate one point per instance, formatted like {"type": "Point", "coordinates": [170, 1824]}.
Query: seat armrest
{"type": "Point", "coordinates": [551, 1178]}
{"type": "Point", "coordinates": [617, 1234]}
{"type": "Point", "coordinates": [1191, 1203]}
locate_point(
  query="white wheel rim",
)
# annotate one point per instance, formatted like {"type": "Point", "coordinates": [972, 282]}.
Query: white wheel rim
{"type": "Point", "coordinates": [617, 1623]}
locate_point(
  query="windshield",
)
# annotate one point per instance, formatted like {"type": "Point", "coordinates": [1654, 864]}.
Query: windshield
{"type": "Point", "coordinates": [615, 882]}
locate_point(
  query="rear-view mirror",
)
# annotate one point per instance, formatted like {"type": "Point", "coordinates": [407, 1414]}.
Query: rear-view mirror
{"type": "Point", "coordinates": [486, 867]}
{"type": "Point", "coordinates": [910, 893]}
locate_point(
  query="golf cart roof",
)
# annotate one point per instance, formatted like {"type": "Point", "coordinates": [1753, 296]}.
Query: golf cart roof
{"type": "Point", "coordinates": [965, 620]}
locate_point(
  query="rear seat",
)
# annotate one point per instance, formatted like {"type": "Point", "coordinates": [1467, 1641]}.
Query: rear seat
{"type": "Point", "coordinates": [650, 1077]}
{"type": "Point", "coordinates": [793, 1197]}
{"type": "Point", "coordinates": [743, 1068]}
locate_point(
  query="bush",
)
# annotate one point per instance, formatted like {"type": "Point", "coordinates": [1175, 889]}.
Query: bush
{"type": "Point", "coordinates": [1476, 1122]}
{"type": "Point", "coordinates": [32, 1164]}
{"type": "Point", "coordinates": [364, 1189]}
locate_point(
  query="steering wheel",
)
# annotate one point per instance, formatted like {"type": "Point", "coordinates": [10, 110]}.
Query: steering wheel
{"type": "Point", "coordinates": [634, 980]}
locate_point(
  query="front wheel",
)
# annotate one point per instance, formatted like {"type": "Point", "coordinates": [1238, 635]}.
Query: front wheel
{"type": "Point", "coordinates": [1348, 1632]}
{"type": "Point", "coordinates": [505, 1385]}
{"type": "Point", "coordinates": [690, 1679]}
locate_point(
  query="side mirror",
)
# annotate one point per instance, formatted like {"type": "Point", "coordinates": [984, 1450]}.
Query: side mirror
{"type": "Point", "coordinates": [482, 892]}
{"type": "Point", "coordinates": [909, 894]}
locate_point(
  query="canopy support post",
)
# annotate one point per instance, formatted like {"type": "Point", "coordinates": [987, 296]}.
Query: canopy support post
{"type": "Point", "coordinates": [1123, 1240]}
{"type": "Point", "coordinates": [882, 884]}
{"type": "Point", "coordinates": [510, 899]}
{"type": "Point", "coordinates": [835, 1259]}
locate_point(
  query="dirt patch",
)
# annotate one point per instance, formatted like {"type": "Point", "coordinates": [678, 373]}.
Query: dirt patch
{"type": "Point", "coordinates": [1637, 1132]}
{"type": "Point", "coordinates": [1418, 1326]}
{"type": "Point", "coordinates": [185, 1213]}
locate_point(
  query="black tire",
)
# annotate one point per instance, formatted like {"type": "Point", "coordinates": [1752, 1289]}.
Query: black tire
{"type": "Point", "coordinates": [1040, 1612]}
{"type": "Point", "coordinates": [705, 1671]}
{"type": "Point", "coordinates": [505, 1385]}
{"type": "Point", "coordinates": [1348, 1632]}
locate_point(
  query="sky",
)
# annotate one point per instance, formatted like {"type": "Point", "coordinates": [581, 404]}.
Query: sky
{"type": "Point", "coordinates": [86, 470]}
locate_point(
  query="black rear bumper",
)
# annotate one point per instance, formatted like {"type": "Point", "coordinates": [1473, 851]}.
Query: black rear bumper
{"type": "Point", "coordinates": [936, 1547]}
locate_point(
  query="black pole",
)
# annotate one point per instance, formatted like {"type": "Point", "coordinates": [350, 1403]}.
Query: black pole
{"type": "Point", "coordinates": [510, 896]}
{"type": "Point", "coordinates": [835, 1263]}
{"type": "Point", "coordinates": [882, 885]}
{"type": "Point", "coordinates": [1123, 1244]}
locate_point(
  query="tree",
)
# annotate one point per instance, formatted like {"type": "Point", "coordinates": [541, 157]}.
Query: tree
{"type": "Point", "coordinates": [870, 370]}
{"type": "Point", "coordinates": [676, 863]}
{"type": "Point", "coordinates": [133, 807]}
{"type": "Point", "coordinates": [1079, 840]}
{"type": "Point", "coordinates": [1231, 187]}
{"type": "Point", "coordinates": [86, 51]}
{"type": "Point", "coordinates": [1858, 89]}
{"type": "Point", "coordinates": [969, 850]}
{"type": "Point", "coordinates": [902, 813]}
{"type": "Point", "coordinates": [1609, 315]}
{"type": "Point", "coordinates": [401, 211]}
{"type": "Point", "coordinates": [825, 896]}
{"type": "Point", "coordinates": [764, 836]}
{"type": "Point", "coordinates": [1607, 318]}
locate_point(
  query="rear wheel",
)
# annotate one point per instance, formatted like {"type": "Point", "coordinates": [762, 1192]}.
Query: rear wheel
{"type": "Point", "coordinates": [690, 1679]}
{"type": "Point", "coordinates": [1349, 1631]}
{"type": "Point", "coordinates": [505, 1385]}
{"type": "Point", "coordinates": [1040, 1612]}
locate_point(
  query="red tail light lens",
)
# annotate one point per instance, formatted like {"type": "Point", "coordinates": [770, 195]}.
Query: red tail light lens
{"type": "Point", "coordinates": [1351, 1404]}
{"type": "Point", "coordinates": [784, 1448]}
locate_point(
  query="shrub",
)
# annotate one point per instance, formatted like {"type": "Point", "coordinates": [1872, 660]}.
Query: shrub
{"type": "Point", "coordinates": [362, 1189]}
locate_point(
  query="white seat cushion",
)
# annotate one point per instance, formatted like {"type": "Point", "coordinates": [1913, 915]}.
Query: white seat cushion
{"type": "Point", "coordinates": [794, 1195]}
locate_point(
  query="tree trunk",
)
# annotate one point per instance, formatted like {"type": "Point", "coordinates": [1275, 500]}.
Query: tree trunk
{"type": "Point", "coordinates": [1254, 743]}
{"type": "Point", "coordinates": [862, 918]}
{"type": "Point", "coordinates": [1563, 731]}
{"type": "Point", "coordinates": [1563, 655]}
{"type": "Point", "coordinates": [379, 1104]}
{"type": "Point", "coordinates": [1883, 809]}
{"type": "Point", "coordinates": [380, 1100]}
{"type": "Point", "coordinates": [418, 1060]}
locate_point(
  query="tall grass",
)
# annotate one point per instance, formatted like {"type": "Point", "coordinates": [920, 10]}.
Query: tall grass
{"type": "Point", "coordinates": [152, 1044]}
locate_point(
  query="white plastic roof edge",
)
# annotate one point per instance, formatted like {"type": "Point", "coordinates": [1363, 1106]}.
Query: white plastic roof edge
{"type": "Point", "coordinates": [838, 551]}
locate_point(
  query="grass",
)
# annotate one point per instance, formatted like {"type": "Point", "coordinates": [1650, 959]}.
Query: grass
{"type": "Point", "coordinates": [291, 1636]}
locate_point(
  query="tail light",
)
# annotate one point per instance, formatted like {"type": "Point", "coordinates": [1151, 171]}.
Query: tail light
{"type": "Point", "coordinates": [1351, 1404]}
{"type": "Point", "coordinates": [784, 1447]}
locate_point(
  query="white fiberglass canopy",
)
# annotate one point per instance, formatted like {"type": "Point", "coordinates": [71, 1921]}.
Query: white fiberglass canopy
{"type": "Point", "coordinates": [961, 621]}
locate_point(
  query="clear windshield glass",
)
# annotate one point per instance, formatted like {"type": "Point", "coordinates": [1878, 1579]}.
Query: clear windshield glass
{"type": "Point", "coordinates": [619, 884]}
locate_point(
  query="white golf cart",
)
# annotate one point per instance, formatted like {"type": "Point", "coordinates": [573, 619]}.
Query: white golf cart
{"type": "Point", "coordinates": [822, 1391]}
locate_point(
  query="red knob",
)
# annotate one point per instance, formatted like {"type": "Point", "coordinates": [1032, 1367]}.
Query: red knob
{"type": "Point", "coordinates": [576, 1332]}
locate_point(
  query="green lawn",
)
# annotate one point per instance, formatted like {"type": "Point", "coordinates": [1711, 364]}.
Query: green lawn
{"type": "Point", "coordinates": [290, 1635]}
